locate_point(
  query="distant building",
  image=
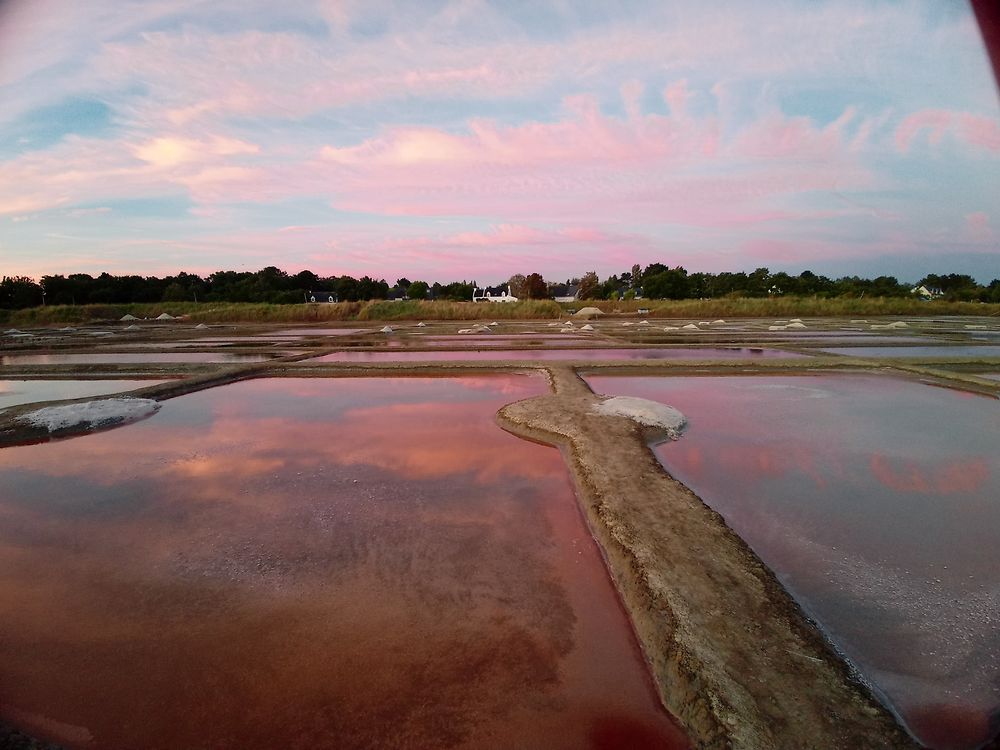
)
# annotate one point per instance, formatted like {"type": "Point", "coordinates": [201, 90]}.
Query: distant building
{"type": "Point", "coordinates": [564, 292]}
{"type": "Point", "coordinates": [319, 296]}
{"type": "Point", "coordinates": [493, 294]}
{"type": "Point", "coordinates": [924, 293]}
{"type": "Point", "coordinates": [396, 294]}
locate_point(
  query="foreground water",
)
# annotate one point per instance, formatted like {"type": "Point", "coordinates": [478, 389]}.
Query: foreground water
{"type": "Point", "coordinates": [877, 504]}
{"type": "Point", "coordinates": [313, 563]}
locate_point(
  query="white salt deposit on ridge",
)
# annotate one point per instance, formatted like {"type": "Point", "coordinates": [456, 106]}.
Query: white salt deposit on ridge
{"type": "Point", "coordinates": [645, 412]}
{"type": "Point", "coordinates": [91, 413]}
{"type": "Point", "coordinates": [385, 329]}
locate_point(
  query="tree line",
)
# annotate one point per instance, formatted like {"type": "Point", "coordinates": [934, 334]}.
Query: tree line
{"type": "Point", "coordinates": [655, 281]}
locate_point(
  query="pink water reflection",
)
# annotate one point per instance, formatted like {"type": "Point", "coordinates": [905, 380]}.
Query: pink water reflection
{"type": "Point", "coordinates": [877, 503]}
{"type": "Point", "coordinates": [95, 358]}
{"type": "Point", "coordinates": [313, 563]}
{"type": "Point", "coordinates": [558, 354]}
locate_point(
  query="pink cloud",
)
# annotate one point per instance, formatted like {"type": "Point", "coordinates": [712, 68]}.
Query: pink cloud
{"type": "Point", "coordinates": [977, 227]}
{"type": "Point", "coordinates": [651, 167]}
{"type": "Point", "coordinates": [980, 131]}
{"type": "Point", "coordinates": [971, 129]}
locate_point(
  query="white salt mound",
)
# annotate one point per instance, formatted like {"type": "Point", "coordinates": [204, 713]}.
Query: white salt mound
{"type": "Point", "coordinates": [91, 414]}
{"type": "Point", "coordinates": [795, 320]}
{"type": "Point", "coordinates": [704, 323]}
{"type": "Point", "coordinates": [898, 324]}
{"type": "Point", "coordinates": [690, 327]}
{"type": "Point", "coordinates": [12, 331]}
{"type": "Point", "coordinates": [645, 412]}
{"type": "Point", "coordinates": [588, 312]}
{"type": "Point", "coordinates": [161, 316]}
{"type": "Point", "coordinates": [421, 324]}
{"type": "Point", "coordinates": [385, 329]}
{"type": "Point", "coordinates": [628, 323]}
{"type": "Point", "coordinates": [796, 324]}
{"type": "Point", "coordinates": [128, 316]}
{"type": "Point", "coordinates": [644, 322]}
{"type": "Point", "coordinates": [201, 325]}
{"type": "Point", "coordinates": [716, 322]}
{"type": "Point", "coordinates": [494, 323]}
{"type": "Point", "coordinates": [553, 324]}
{"type": "Point", "coordinates": [587, 327]}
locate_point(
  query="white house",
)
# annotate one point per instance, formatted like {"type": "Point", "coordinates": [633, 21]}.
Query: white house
{"type": "Point", "coordinates": [493, 294]}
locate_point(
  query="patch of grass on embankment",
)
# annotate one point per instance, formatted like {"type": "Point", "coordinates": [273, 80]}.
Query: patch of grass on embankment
{"type": "Point", "coordinates": [241, 312]}
{"type": "Point", "coordinates": [788, 307]}
{"type": "Point", "coordinates": [244, 312]}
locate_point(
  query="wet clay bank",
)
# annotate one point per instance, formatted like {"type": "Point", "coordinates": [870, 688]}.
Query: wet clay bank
{"type": "Point", "coordinates": [313, 563]}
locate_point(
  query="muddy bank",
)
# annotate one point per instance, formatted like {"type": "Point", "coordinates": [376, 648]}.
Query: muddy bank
{"type": "Point", "coordinates": [733, 656]}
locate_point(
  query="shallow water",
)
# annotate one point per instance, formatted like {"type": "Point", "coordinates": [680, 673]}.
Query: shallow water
{"type": "Point", "coordinates": [315, 332]}
{"type": "Point", "coordinates": [99, 358]}
{"type": "Point", "coordinates": [877, 504]}
{"type": "Point", "coordinates": [313, 563]}
{"type": "Point", "coordinates": [916, 351]}
{"type": "Point", "coordinates": [558, 354]}
{"type": "Point", "coordinates": [14, 392]}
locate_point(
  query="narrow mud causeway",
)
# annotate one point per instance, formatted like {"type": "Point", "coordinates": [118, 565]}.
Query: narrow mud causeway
{"type": "Point", "coordinates": [732, 655]}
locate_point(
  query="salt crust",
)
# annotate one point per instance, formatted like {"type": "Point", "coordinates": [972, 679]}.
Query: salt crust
{"type": "Point", "coordinates": [91, 414]}
{"type": "Point", "coordinates": [645, 412]}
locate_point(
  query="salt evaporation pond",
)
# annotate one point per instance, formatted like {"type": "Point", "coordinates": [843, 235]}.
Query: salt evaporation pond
{"type": "Point", "coordinates": [354, 563]}
{"type": "Point", "coordinates": [556, 354]}
{"type": "Point", "coordinates": [876, 502]}
{"type": "Point", "coordinates": [13, 392]}
{"type": "Point", "coordinates": [916, 351]}
{"type": "Point", "coordinates": [98, 358]}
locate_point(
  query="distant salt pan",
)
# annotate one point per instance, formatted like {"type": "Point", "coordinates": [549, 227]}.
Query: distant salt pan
{"type": "Point", "coordinates": [91, 414]}
{"type": "Point", "coordinates": [645, 412]}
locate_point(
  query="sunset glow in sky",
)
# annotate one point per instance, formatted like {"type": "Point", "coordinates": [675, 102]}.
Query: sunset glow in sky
{"type": "Point", "coordinates": [475, 139]}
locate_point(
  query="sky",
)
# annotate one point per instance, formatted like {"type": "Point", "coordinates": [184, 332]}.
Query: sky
{"type": "Point", "coordinates": [474, 140]}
